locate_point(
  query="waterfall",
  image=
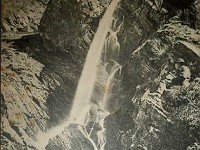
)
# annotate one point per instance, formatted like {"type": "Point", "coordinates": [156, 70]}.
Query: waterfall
{"type": "Point", "coordinates": [82, 100]}
{"type": "Point", "coordinates": [88, 76]}
{"type": "Point", "coordinates": [80, 111]}
{"type": "Point", "coordinates": [112, 46]}
{"type": "Point", "coordinates": [109, 82]}
{"type": "Point", "coordinates": [43, 137]}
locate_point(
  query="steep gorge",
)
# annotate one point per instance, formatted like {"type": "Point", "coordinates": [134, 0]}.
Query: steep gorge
{"type": "Point", "coordinates": [40, 74]}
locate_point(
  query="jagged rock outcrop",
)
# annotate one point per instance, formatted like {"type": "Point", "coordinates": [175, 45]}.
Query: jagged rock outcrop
{"type": "Point", "coordinates": [21, 16]}
{"type": "Point", "coordinates": [24, 99]}
{"type": "Point", "coordinates": [71, 30]}
{"type": "Point", "coordinates": [54, 84]}
{"type": "Point", "coordinates": [40, 73]}
{"type": "Point", "coordinates": [73, 137]}
{"type": "Point", "coordinates": [151, 124]}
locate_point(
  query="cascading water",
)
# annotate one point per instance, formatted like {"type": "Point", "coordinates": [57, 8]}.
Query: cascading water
{"type": "Point", "coordinates": [112, 46]}
{"type": "Point", "coordinates": [105, 40]}
{"type": "Point", "coordinates": [87, 80]}
{"type": "Point", "coordinates": [82, 100]}
{"type": "Point", "coordinates": [109, 82]}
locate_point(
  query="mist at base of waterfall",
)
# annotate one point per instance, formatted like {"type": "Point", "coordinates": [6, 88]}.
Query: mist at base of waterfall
{"type": "Point", "coordinates": [91, 100]}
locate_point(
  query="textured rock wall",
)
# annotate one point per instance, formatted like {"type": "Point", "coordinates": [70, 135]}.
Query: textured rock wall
{"type": "Point", "coordinates": [24, 99]}
{"type": "Point", "coordinates": [51, 93]}
{"type": "Point", "coordinates": [40, 72]}
{"type": "Point", "coordinates": [71, 138]}
{"type": "Point", "coordinates": [71, 30]}
{"type": "Point", "coordinates": [22, 15]}
{"type": "Point", "coordinates": [145, 120]}
{"type": "Point", "coordinates": [146, 38]}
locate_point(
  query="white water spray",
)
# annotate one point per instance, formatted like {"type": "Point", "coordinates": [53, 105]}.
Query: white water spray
{"type": "Point", "coordinates": [101, 134]}
{"type": "Point", "coordinates": [81, 104]}
{"type": "Point", "coordinates": [112, 45]}
{"type": "Point", "coordinates": [109, 82]}
{"type": "Point", "coordinates": [87, 80]}
{"type": "Point", "coordinates": [43, 137]}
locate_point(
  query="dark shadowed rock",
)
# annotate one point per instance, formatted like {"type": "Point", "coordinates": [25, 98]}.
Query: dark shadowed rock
{"type": "Point", "coordinates": [72, 138]}
{"type": "Point", "coordinates": [40, 73]}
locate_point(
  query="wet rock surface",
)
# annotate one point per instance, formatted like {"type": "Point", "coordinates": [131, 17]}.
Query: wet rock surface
{"type": "Point", "coordinates": [71, 138]}
{"type": "Point", "coordinates": [40, 73]}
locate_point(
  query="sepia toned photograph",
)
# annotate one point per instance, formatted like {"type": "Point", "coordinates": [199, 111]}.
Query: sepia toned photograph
{"type": "Point", "coordinates": [100, 75]}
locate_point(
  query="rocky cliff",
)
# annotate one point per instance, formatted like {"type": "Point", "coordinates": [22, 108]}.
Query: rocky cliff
{"type": "Point", "coordinates": [22, 16]}
{"type": "Point", "coordinates": [44, 45]}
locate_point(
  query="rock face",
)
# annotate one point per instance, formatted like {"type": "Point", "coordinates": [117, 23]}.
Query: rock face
{"type": "Point", "coordinates": [71, 138]}
{"type": "Point", "coordinates": [21, 15]}
{"type": "Point", "coordinates": [149, 119]}
{"type": "Point", "coordinates": [24, 96]}
{"type": "Point", "coordinates": [40, 73]}
{"type": "Point", "coordinates": [73, 26]}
